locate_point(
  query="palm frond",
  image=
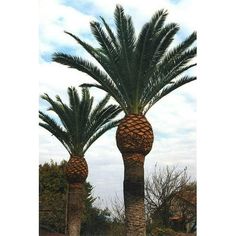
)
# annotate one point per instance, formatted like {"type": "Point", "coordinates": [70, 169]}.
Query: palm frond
{"type": "Point", "coordinates": [99, 106]}
{"type": "Point", "coordinates": [51, 126]}
{"type": "Point", "coordinates": [166, 71]}
{"type": "Point", "coordinates": [126, 37]}
{"type": "Point", "coordinates": [100, 132]}
{"type": "Point", "coordinates": [186, 44]}
{"type": "Point", "coordinates": [110, 52]}
{"type": "Point", "coordinates": [122, 104]}
{"type": "Point", "coordinates": [74, 100]}
{"type": "Point", "coordinates": [113, 70]}
{"type": "Point", "coordinates": [85, 109]}
{"type": "Point", "coordinates": [145, 48]}
{"type": "Point", "coordinates": [103, 117]}
{"type": "Point", "coordinates": [169, 88]}
{"type": "Point", "coordinates": [111, 34]}
{"type": "Point", "coordinates": [60, 112]}
{"type": "Point", "coordinates": [163, 39]}
{"type": "Point", "coordinates": [91, 50]}
{"type": "Point", "coordinates": [159, 81]}
{"type": "Point", "coordinates": [175, 63]}
{"type": "Point", "coordinates": [82, 65]}
{"type": "Point", "coordinates": [180, 51]}
{"type": "Point", "coordinates": [97, 54]}
{"type": "Point", "coordinates": [106, 43]}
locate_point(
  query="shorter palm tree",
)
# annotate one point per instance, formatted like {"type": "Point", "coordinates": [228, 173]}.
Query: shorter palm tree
{"type": "Point", "coordinates": [80, 127]}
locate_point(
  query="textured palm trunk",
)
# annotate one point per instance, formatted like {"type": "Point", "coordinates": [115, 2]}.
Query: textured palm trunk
{"type": "Point", "coordinates": [134, 139]}
{"type": "Point", "coordinates": [75, 208]}
{"type": "Point", "coordinates": [76, 173]}
{"type": "Point", "coordinates": [134, 194]}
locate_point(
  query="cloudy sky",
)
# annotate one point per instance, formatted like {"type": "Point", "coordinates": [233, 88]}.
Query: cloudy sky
{"type": "Point", "coordinates": [173, 118]}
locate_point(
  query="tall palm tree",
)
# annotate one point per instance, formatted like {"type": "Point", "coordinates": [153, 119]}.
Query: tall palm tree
{"type": "Point", "coordinates": [137, 72]}
{"type": "Point", "coordinates": [79, 127]}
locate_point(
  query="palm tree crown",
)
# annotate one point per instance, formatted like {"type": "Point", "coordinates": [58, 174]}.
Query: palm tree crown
{"type": "Point", "coordinates": [138, 70]}
{"type": "Point", "coordinates": [81, 125]}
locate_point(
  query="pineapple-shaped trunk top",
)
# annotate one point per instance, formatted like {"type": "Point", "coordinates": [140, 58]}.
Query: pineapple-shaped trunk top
{"type": "Point", "coordinates": [76, 170]}
{"type": "Point", "coordinates": [134, 135]}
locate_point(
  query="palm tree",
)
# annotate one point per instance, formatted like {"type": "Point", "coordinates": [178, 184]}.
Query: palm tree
{"type": "Point", "coordinates": [80, 127]}
{"type": "Point", "coordinates": [137, 72]}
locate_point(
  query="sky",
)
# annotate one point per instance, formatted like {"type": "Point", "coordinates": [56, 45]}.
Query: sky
{"type": "Point", "coordinates": [173, 118]}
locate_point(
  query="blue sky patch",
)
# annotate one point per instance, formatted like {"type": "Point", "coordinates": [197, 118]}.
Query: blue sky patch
{"type": "Point", "coordinates": [175, 1]}
{"type": "Point", "coordinates": [85, 7]}
{"type": "Point", "coordinates": [190, 99]}
{"type": "Point", "coordinates": [46, 57]}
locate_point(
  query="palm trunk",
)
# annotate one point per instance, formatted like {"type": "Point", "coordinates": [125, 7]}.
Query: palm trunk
{"type": "Point", "coordinates": [75, 208]}
{"type": "Point", "coordinates": [76, 172]}
{"type": "Point", "coordinates": [134, 195]}
{"type": "Point", "coordinates": [134, 139]}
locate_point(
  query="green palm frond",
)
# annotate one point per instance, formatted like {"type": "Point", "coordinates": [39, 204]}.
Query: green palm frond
{"type": "Point", "coordinates": [136, 69]}
{"type": "Point", "coordinates": [144, 45]}
{"type": "Point", "coordinates": [111, 35]}
{"type": "Point", "coordinates": [58, 108]}
{"type": "Point", "coordinates": [82, 65]}
{"type": "Point", "coordinates": [99, 106]}
{"type": "Point", "coordinates": [102, 117]}
{"type": "Point", "coordinates": [112, 57]}
{"type": "Point", "coordinates": [106, 44]}
{"type": "Point", "coordinates": [166, 71]}
{"type": "Point", "coordinates": [179, 49]}
{"type": "Point", "coordinates": [161, 80]}
{"type": "Point", "coordinates": [74, 99]}
{"type": "Point", "coordinates": [80, 122]}
{"type": "Point", "coordinates": [72, 112]}
{"type": "Point", "coordinates": [172, 63]}
{"type": "Point", "coordinates": [167, 89]}
{"type": "Point", "coordinates": [162, 41]}
{"type": "Point", "coordinates": [100, 132]}
{"type": "Point", "coordinates": [125, 35]}
{"type": "Point", "coordinates": [98, 54]}
{"type": "Point", "coordinates": [126, 39]}
{"type": "Point", "coordinates": [55, 129]}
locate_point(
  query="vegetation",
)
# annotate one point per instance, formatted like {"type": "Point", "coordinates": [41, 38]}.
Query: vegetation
{"type": "Point", "coordinates": [52, 202]}
{"type": "Point", "coordinates": [138, 72]}
{"type": "Point", "coordinates": [52, 196]}
{"type": "Point", "coordinates": [170, 199]}
{"type": "Point", "coordinates": [108, 222]}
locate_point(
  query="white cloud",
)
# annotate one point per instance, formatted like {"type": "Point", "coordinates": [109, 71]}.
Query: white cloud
{"type": "Point", "coordinates": [50, 148]}
{"type": "Point", "coordinates": [54, 18]}
{"type": "Point", "coordinates": [55, 78]}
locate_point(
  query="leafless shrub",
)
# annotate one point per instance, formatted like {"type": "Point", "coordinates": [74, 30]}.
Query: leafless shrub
{"type": "Point", "coordinates": [160, 189]}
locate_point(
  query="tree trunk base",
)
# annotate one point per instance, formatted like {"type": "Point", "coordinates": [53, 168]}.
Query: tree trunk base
{"type": "Point", "coordinates": [135, 220]}
{"type": "Point", "coordinates": [75, 209]}
{"type": "Point", "coordinates": [134, 195]}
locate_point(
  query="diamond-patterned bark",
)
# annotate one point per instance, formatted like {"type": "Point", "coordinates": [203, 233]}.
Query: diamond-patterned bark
{"type": "Point", "coordinates": [76, 170]}
{"type": "Point", "coordinates": [134, 135]}
{"type": "Point", "coordinates": [131, 159]}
